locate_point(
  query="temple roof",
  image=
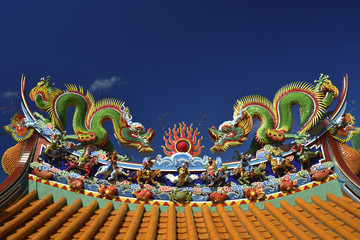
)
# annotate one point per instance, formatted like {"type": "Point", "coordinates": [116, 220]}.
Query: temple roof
{"type": "Point", "coordinates": [34, 207]}
{"type": "Point", "coordinates": [34, 218]}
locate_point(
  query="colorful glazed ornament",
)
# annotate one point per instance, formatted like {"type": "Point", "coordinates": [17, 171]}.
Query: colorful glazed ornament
{"type": "Point", "coordinates": [320, 175]}
{"type": "Point", "coordinates": [276, 117]}
{"type": "Point", "coordinates": [217, 197]}
{"type": "Point", "coordinates": [180, 142]}
{"type": "Point", "coordinates": [287, 186]}
{"type": "Point", "coordinates": [143, 194]}
{"type": "Point", "coordinates": [76, 184]}
{"type": "Point", "coordinates": [254, 194]}
{"type": "Point", "coordinates": [180, 196]}
{"type": "Point", "coordinates": [89, 117]}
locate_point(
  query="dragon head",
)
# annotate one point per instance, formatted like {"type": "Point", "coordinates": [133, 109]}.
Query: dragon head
{"type": "Point", "coordinates": [43, 92]}
{"type": "Point", "coordinates": [231, 133]}
{"type": "Point", "coordinates": [348, 119]}
{"type": "Point", "coordinates": [18, 129]}
{"type": "Point", "coordinates": [324, 85]}
{"type": "Point", "coordinates": [133, 135]}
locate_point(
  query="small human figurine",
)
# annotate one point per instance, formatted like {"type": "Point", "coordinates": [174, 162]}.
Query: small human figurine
{"type": "Point", "coordinates": [109, 165]}
{"type": "Point", "coordinates": [275, 152]}
{"type": "Point", "coordinates": [211, 168]}
{"type": "Point", "coordinates": [222, 175]}
{"type": "Point", "coordinates": [84, 157]}
{"type": "Point", "coordinates": [87, 151]}
{"type": "Point", "coordinates": [54, 144]}
{"type": "Point", "coordinates": [244, 162]}
{"type": "Point", "coordinates": [183, 173]}
{"type": "Point", "coordinates": [113, 159]}
{"type": "Point", "coordinates": [147, 164]}
{"type": "Point", "coordinates": [304, 154]}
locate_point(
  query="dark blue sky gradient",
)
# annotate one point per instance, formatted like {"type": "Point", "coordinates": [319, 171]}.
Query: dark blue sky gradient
{"type": "Point", "coordinates": [178, 57]}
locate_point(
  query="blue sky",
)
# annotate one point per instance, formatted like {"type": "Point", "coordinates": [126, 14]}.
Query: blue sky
{"type": "Point", "coordinates": [177, 58]}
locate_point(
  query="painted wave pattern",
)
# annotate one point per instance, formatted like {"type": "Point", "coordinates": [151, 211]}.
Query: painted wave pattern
{"type": "Point", "coordinates": [176, 160]}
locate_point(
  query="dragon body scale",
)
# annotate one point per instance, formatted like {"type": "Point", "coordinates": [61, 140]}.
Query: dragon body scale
{"type": "Point", "coordinates": [89, 117]}
{"type": "Point", "coordinates": [276, 117]}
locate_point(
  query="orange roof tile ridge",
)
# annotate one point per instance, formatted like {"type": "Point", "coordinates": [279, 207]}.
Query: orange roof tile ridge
{"type": "Point", "coordinates": [227, 222]}
{"type": "Point", "coordinates": [266, 222]}
{"type": "Point", "coordinates": [301, 218]}
{"type": "Point", "coordinates": [80, 221]}
{"type": "Point", "coordinates": [209, 223]}
{"type": "Point", "coordinates": [116, 222]}
{"type": "Point", "coordinates": [171, 227]}
{"type": "Point", "coordinates": [286, 223]}
{"type": "Point", "coordinates": [25, 215]}
{"type": "Point", "coordinates": [252, 230]}
{"type": "Point", "coordinates": [190, 224]}
{"type": "Point", "coordinates": [348, 207]}
{"type": "Point", "coordinates": [134, 225]}
{"type": "Point", "coordinates": [354, 223]}
{"type": "Point", "coordinates": [18, 205]}
{"type": "Point", "coordinates": [327, 221]}
{"type": "Point", "coordinates": [39, 220]}
{"type": "Point", "coordinates": [49, 229]}
{"type": "Point", "coordinates": [98, 222]}
{"type": "Point", "coordinates": [153, 223]}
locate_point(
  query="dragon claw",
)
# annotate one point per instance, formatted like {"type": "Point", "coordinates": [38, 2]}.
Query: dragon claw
{"type": "Point", "coordinates": [302, 137]}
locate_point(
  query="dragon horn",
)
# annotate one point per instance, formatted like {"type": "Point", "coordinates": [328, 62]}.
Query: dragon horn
{"type": "Point", "coordinates": [236, 119]}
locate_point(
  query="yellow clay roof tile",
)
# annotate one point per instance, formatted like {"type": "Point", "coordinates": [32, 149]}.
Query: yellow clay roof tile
{"type": "Point", "coordinates": [45, 219]}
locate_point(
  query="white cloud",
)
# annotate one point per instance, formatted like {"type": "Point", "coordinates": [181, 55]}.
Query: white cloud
{"type": "Point", "coordinates": [106, 83]}
{"type": "Point", "coordinates": [11, 94]}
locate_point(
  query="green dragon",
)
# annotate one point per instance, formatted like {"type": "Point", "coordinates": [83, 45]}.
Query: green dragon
{"type": "Point", "coordinates": [89, 117]}
{"type": "Point", "coordinates": [276, 118]}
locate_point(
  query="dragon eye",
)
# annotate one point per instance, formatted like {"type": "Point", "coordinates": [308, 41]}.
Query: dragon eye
{"type": "Point", "coordinates": [138, 129]}
{"type": "Point", "coordinates": [226, 129]}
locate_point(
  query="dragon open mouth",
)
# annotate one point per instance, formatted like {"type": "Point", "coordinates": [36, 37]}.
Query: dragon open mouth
{"type": "Point", "coordinates": [329, 87]}
{"type": "Point", "coordinates": [218, 137]}
{"type": "Point", "coordinates": [224, 140]}
{"type": "Point", "coordinates": [146, 140]}
{"type": "Point", "coordinates": [214, 135]}
{"type": "Point", "coordinates": [147, 137]}
{"type": "Point", "coordinates": [151, 135]}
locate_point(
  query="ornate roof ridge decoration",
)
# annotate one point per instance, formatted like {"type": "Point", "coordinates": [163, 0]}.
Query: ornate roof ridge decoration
{"type": "Point", "coordinates": [197, 179]}
{"type": "Point", "coordinates": [276, 117]}
{"type": "Point", "coordinates": [180, 142]}
{"type": "Point", "coordinates": [89, 117]}
{"type": "Point", "coordinates": [125, 198]}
